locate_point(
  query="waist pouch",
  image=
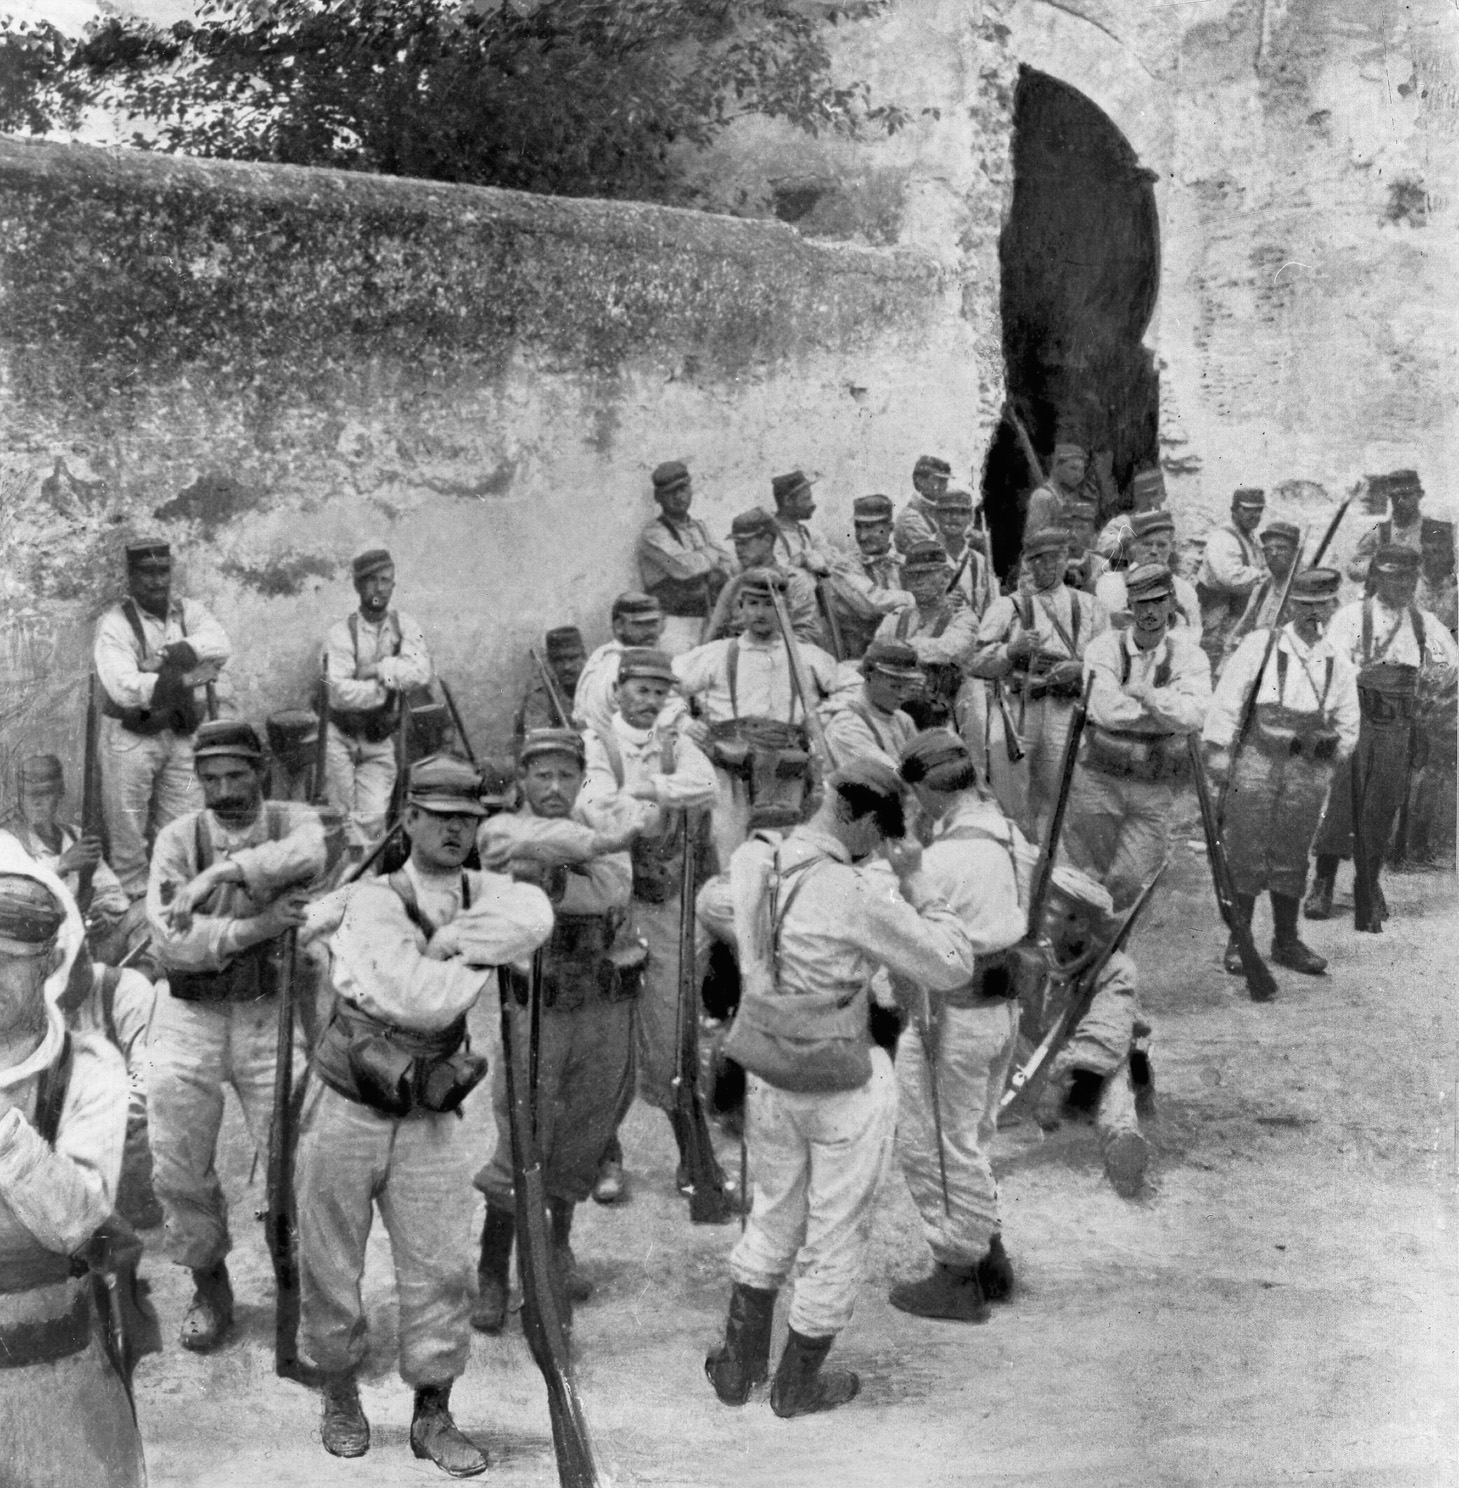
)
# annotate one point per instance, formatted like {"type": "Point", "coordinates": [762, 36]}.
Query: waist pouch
{"type": "Point", "coordinates": [1281, 733]}
{"type": "Point", "coordinates": [173, 707]}
{"type": "Point", "coordinates": [1030, 676]}
{"type": "Point", "coordinates": [657, 870]}
{"type": "Point", "coordinates": [397, 1071]}
{"type": "Point", "coordinates": [805, 1042]}
{"type": "Point", "coordinates": [587, 959]}
{"type": "Point", "coordinates": [1136, 756]}
{"type": "Point", "coordinates": [1383, 703]}
{"type": "Point", "coordinates": [373, 725]}
{"type": "Point", "coordinates": [45, 1340]}
{"type": "Point", "coordinates": [734, 744]}
{"type": "Point", "coordinates": [249, 977]}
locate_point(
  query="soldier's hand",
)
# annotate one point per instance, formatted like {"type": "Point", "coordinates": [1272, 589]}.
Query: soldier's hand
{"type": "Point", "coordinates": [619, 838]}
{"type": "Point", "coordinates": [445, 944]}
{"type": "Point", "coordinates": [86, 853]}
{"type": "Point", "coordinates": [150, 664]}
{"type": "Point", "coordinates": [817, 566]}
{"type": "Point", "coordinates": [1063, 673]}
{"type": "Point", "coordinates": [179, 656]}
{"type": "Point", "coordinates": [1024, 646]}
{"type": "Point", "coordinates": [288, 912]}
{"type": "Point", "coordinates": [696, 729]}
{"type": "Point", "coordinates": [905, 856]}
{"type": "Point", "coordinates": [367, 671]}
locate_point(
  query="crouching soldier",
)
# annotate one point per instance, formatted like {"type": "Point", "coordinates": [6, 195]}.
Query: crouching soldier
{"type": "Point", "coordinates": [64, 1414]}
{"type": "Point", "coordinates": [1092, 1073]}
{"type": "Point", "coordinates": [1306, 724]}
{"type": "Point", "coordinates": [876, 723]}
{"type": "Point", "coordinates": [412, 952]}
{"type": "Point", "coordinates": [948, 1114]}
{"type": "Point", "coordinates": [592, 969]}
{"type": "Point", "coordinates": [227, 885]}
{"type": "Point", "coordinates": [812, 927]}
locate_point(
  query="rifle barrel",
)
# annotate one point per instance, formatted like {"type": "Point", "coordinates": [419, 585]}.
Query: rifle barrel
{"type": "Point", "coordinates": [801, 680]}
{"type": "Point", "coordinates": [460, 726]}
{"type": "Point", "coordinates": [1044, 871]}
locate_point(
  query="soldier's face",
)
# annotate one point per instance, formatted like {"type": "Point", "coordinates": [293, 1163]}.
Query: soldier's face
{"type": "Point", "coordinates": [1151, 616]}
{"type": "Point", "coordinates": [1248, 518]}
{"type": "Point", "coordinates": [873, 538]}
{"type": "Point", "coordinates": [1067, 928]}
{"type": "Point", "coordinates": [1082, 538]}
{"type": "Point", "coordinates": [926, 585]}
{"type": "Point", "coordinates": [439, 840]}
{"type": "Point", "coordinates": [799, 506]}
{"type": "Point", "coordinates": [1279, 556]}
{"type": "Point", "coordinates": [1069, 469]}
{"type": "Point", "coordinates": [1405, 507]}
{"type": "Point", "coordinates": [232, 788]}
{"type": "Point", "coordinates": [675, 504]}
{"type": "Point", "coordinates": [758, 613]}
{"type": "Point", "coordinates": [1310, 620]}
{"type": "Point", "coordinates": [640, 700]}
{"type": "Point", "coordinates": [1047, 569]}
{"type": "Point", "coordinates": [149, 581]}
{"type": "Point", "coordinates": [551, 782]}
{"type": "Point", "coordinates": [1156, 548]}
{"type": "Point", "coordinates": [375, 590]}
{"type": "Point", "coordinates": [568, 669]}
{"type": "Point", "coordinates": [1396, 589]}
{"type": "Point", "coordinates": [39, 805]}
{"type": "Point", "coordinates": [929, 484]}
{"type": "Point", "coordinates": [953, 525]}
{"type": "Point", "coordinates": [889, 690]}
{"type": "Point", "coordinates": [639, 630]}
{"type": "Point", "coordinates": [757, 550]}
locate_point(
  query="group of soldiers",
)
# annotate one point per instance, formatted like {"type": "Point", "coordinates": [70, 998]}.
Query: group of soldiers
{"type": "Point", "coordinates": [894, 812]}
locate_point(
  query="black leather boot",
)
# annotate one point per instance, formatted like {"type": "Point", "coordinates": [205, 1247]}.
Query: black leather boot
{"type": "Point", "coordinates": [434, 1434]}
{"type": "Point", "coordinates": [210, 1314]}
{"type": "Point", "coordinates": [743, 1360]}
{"type": "Point", "coordinates": [1287, 947]}
{"type": "Point", "coordinates": [950, 1293]}
{"type": "Point", "coordinates": [1245, 906]}
{"type": "Point", "coordinates": [995, 1271]}
{"type": "Point", "coordinates": [494, 1270]}
{"type": "Point", "coordinates": [343, 1428]}
{"type": "Point", "coordinates": [800, 1387]}
{"type": "Point", "coordinates": [574, 1283]}
{"type": "Point", "coordinates": [1319, 900]}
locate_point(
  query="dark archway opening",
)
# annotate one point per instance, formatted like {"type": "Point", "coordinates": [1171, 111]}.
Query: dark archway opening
{"type": "Point", "coordinates": [1079, 259]}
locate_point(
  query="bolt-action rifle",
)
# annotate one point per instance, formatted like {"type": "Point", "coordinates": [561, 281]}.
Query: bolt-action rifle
{"type": "Point", "coordinates": [1012, 741]}
{"type": "Point", "coordinates": [91, 825]}
{"type": "Point", "coordinates": [542, 1320]}
{"type": "Point", "coordinates": [457, 723]}
{"type": "Point", "coordinates": [802, 681]}
{"type": "Point", "coordinates": [554, 694]}
{"type": "Point", "coordinates": [321, 734]}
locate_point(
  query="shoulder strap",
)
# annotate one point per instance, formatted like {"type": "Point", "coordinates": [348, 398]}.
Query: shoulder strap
{"type": "Point", "coordinates": [860, 709]}
{"type": "Point", "coordinates": [393, 617]}
{"type": "Point", "coordinates": [134, 619]}
{"type": "Point", "coordinates": [465, 890]}
{"type": "Point", "coordinates": [1417, 621]}
{"type": "Point", "coordinates": [1282, 663]}
{"type": "Point", "coordinates": [182, 617]}
{"type": "Point", "coordinates": [779, 907]}
{"type": "Point", "coordinates": [1124, 662]}
{"type": "Point", "coordinates": [202, 841]}
{"type": "Point", "coordinates": [904, 624]}
{"type": "Point", "coordinates": [400, 881]}
{"type": "Point", "coordinates": [1367, 631]}
{"type": "Point", "coordinates": [732, 675]}
{"type": "Point", "coordinates": [1027, 614]}
{"type": "Point", "coordinates": [50, 1095]}
{"type": "Point", "coordinates": [1385, 532]}
{"type": "Point", "coordinates": [1162, 668]}
{"type": "Point", "coordinates": [944, 620]}
{"type": "Point", "coordinates": [354, 625]}
{"type": "Point", "coordinates": [1326, 687]}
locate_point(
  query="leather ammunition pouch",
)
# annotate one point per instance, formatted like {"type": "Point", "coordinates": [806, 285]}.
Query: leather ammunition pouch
{"type": "Point", "coordinates": [1030, 673]}
{"type": "Point", "coordinates": [589, 957]}
{"type": "Point", "coordinates": [252, 975]}
{"type": "Point", "coordinates": [173, 707]}
{"type": "Point", "coordinates": [373, 725]}
{"type": "Point", "coordinates": [397, 1071]}
{"type": "Point", "coordinates": [1386, 693]}
{"type": "Point", "coordinates": [773, 759]}
{"type": "Point", "coordinates": [1282, 733]}
{"type": "Point", "coordinates": [657, 868]}
{"type": "Point", "coordinates": [1131, 756]}
{"type": "Point", "coordinates": [27, 1341]}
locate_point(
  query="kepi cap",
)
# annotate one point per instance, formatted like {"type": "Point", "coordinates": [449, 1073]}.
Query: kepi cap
{"type": "Point", "coordinates": [1315, 585]}
{"type": "Point", "coordinates": [922, 556]}
{"type": "Point", "coordinates": [896, 658]}
{"type": "Point", "coordinates": [1248, 496]}
{"type": "Point", "coordinates": [954, 499]}
{"type": "Point", "coordinates": [670, 476]}
{"type": "Point", "coordinates": [1081, 891]}
{"type": "Point", "coordinates": [1392, 558]}
{"type": "Point", "coordinates": [564, 641]}
{"type": "Point", "coordinates": [227, 736]}
{"type": "Point", "coordinates": [1398, 483]}
{"type": "Point", "coordinates": [761, 581]}
{"type": "Point", "coordinates": [643, 661]}
{"type": "Point", "coordinates": [1143, 482]}
{"type": "Point", "coordinates": [151, 545]}
{"type": "Point", "coordinates": [783, 487]}
{"type": "Point", "coordinates": [371, 561]}
{"type": "Point", "coordinates": [931, 465]}
{"type": "Point", "coordinates": [1142, 524]}
{"type": "Point", "coordinates": [40, 771]}
{"type": "Point", "coordinates": [445, 785]}
{"type": "Point", "coordinates": [30, 914]}
{"type": "Point", "coordinates": [1282, 532]}
{"type": "Point", "coordinates": [639, 606]}
{"type": "Point", "coordinates": [552, 741]}
{"type": "Point", "coordinates": [872, 509]}
{"type": "Point", "coordinates": [1046, 540]}
{"type": "Point", "coordinates": [871, 774]}
{"type": "Point", "coordinates": [1149, 581]}
{"type": "Point", "coordinates": [930, 750]}
{"type": "Point", "coordinates": [756, 522]}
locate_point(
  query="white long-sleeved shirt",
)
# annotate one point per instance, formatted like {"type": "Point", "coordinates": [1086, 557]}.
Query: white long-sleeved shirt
{"type": "Point", "coordinates": [1234, 562]}
{"type": "Point", "coordinates": [1005, 620]}
{"type": "Point", "coordinates": [955, 643]}
{"type": "Point", "coordinates": [763, 686]}
{"type": "Point", "coordinates": [108, 897]}
{"type": "Point", "coordinates": [605, 802]}
{"type": "Point", "coordinates": [269, 867]}
{"type": "Point", "coordinates": [1177, 708]}
{"type": "Point", "coordinates": [1306, 671]}
{"type": "Point", "coordinates": [861, 731]}
{"type": "Point", "coordinates": [118, 658]}
{"type": "Point", "coordinates": [969, 861]}
{"type": "Point", "coordinates": [379, 954]}
{"type": "Point", "coordinates": [397, 645]}
{"type": "Point", "coordinates": [1393, 636]}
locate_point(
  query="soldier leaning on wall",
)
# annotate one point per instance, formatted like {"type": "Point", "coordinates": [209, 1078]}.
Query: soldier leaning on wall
{"type": "Point", "coordinates": [679, 563]}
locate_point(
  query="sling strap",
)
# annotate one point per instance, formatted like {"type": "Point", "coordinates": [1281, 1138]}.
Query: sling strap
{"type": "Point", "coordinates": [134, 619]}
{"type": "Point", "coordinates": [1282, 666]}
{"type": "Point", "coordinates": [732, 676]}
{"type": "Point", "coordinates": [50, 1094]}
{"type": "Point", "coordinates": [1162, 667]}
{"type": "Point", "coordinates": [1071, 641]}
{"type": "Point", "coordinates": [404, 887]}
{"type": "Point", "coordinates": [1415, 618]}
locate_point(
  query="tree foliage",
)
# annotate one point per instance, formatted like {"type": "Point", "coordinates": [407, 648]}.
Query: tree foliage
{"type": "Point", "coordinates": [572, 97]}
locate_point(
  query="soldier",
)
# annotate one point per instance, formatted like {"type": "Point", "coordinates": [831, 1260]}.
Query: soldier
{"type": "Point", "coordinates": [1036, 640]}
{"type": "Point", "coordinates": [678, 562]}
{"type": "Point", "coordinates": [795, 505]}
{"type": "Point", "coordinates": [1085, 567]}
{"type": "Point", "coordinates": [970, 1031]}
{"type": "Point", "coordinates": [566, 659]}
{"type": "Point", "coordinates": [917, 521]}
{"type": "Point", "coordinates": [965, 548]}
{"type": "Point", "coordinates": [37, 826]}
{"type": "Point", "coordinates": [1049, 505]}
{"type": "Point", "coordinates": [752, 725]}
{"type": "Point", "coordinates": [64, 1413]}
{"type": "Point", "coordinates": [875, 725]}
{"type": "Point", "coordinates": [1151, 688]}
{"type": "Point", "coordinates": [1392, 644]}
{"type": "Point", "coordinates": [1437, 591]}
{"type": "Point", "coordinates": [864, 589]}
{"type": "Point", "coordinates": [1232, 567]}
{"type": "Point", "coordinates": [592, 972]}
{"type": "Point", "coordinates": [1404, 528]}
{"type": "Point", "coordinates": [1147, 494]}
{"type": "Point", "coordinates": [637, 622]}
{"type": "Point", "coordinates": [1305, 725]}
{"type": "Point", "coordinates": [755, 535]}
{"type": "Point", "coordinates": [812, 927]}
{"type": "Point", "coordinates": [1279, 544]}
{"type": "Point", "coordinates": [1152, 540]}
{"type": "Point", "coordinates": [156, 657]}
{"type": "Point", "coordinates": [940, 629]}
{"type": "Point", "coordinates": [227, 884]}
{"type": "Point", "coordinates": [1094, 1073]}
{"type": "Point", "coordinates": [643, 771]}
{"type": "Point", "coordinates": [411, 954]}
{"type": "Point", "coordinates": [371, 660]}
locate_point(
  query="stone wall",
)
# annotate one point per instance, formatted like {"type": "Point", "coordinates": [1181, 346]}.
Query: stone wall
{"type": "Point", "coordinates": [275, 366]}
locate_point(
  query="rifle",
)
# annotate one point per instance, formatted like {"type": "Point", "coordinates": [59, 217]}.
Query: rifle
{"type": "Point", "coordinates": [1261, 984]}
{"type": "Point", "coordinates": [1365, 907]}
{"type": "Point", "coordinates": [708, 1202]}
{"type": "Point", "coordinates": [402, 758]}
{"type": "Point", "coordinates": [1012, 741]}
{"type": "Point", "coordinates": [542, 1320]}
{"type": "Point", "coordinates": [280, 1230]}
{"type": "Point", "coordinates": [927, 1033]}
{"type": "Point", "coordinates": [459, 726]}
{"type": "Point", "coordinates": [1025, 1082]}
{"type": "Point", "coordinates": [1043, 873]}
{"type": "Point", "coordinates": [1248, 706]}
{"type": "Point", "coordinates": [321, 735]}
{"type": "Point", "coordinates": [1025, 444]}
{"type": "Point", "coordinates": [549, 682]}
{"type": "Point", "coordinates": [801, 678]}
{"type": "Point", "coordinates": [721, 608]}
{"type": "Point", "coordinates": [90, 794]}
{"type": "Point", "coordinates": [1331, 532]}
{"type": "Point", "coordinates": [833, 624]}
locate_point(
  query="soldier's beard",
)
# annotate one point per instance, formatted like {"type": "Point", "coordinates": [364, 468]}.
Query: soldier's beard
{"type": "Point", "coordinates": [22, 1008]}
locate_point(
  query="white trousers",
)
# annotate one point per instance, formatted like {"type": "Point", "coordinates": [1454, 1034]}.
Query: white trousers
{"type": "Point", "coordinates": [818, 1161]}
{"type": "Point", "coordinates": [974, 1050]}
{"type": "Point", "coordinates": [146, 782]}
{"type": "Point", "coordinates": [358, 780]}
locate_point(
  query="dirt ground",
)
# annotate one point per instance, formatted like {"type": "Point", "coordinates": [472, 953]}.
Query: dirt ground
{"type": "Point", "coordinates": [1280, 1307]}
